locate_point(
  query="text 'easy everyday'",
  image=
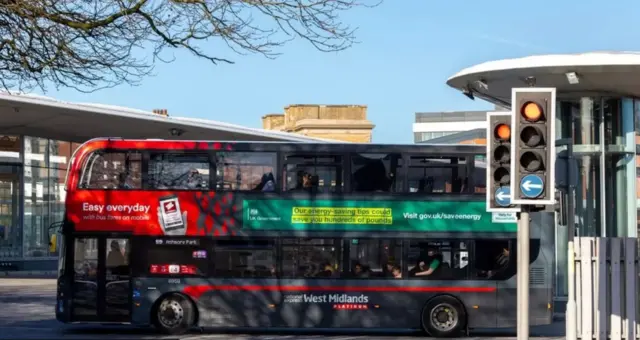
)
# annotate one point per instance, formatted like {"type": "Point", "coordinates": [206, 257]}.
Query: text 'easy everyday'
{"type": "Point", "coordinates": [123, 208]}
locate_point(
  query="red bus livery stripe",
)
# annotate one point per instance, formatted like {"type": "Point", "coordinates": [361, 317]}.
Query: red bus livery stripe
{"type": "Point", "coordinates": [197, 291]}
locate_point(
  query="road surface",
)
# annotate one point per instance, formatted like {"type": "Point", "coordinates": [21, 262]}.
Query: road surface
{"type": "Point", "coordinates": [28, 313]}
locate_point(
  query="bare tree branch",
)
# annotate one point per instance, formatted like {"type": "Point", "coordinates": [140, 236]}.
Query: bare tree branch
{"type": "Point", "coordinates": [93, 44]}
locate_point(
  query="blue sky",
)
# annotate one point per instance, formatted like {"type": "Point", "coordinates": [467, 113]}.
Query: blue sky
{"type": "Point", "coordinates": [407, 50]}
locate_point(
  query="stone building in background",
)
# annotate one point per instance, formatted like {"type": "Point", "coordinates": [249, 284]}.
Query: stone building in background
{"type": "Point", "coordinates": [340, 122]}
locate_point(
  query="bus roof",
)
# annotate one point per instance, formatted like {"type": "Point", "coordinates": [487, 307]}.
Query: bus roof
{"type": "Point", "coordinates": [141, 144]}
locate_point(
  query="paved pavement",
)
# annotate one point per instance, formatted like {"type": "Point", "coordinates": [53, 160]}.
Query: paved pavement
{"type": "Point", "coordinates": [28, 313]}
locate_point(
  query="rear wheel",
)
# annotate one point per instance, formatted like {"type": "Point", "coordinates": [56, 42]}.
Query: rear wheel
{"type": "Point", "coordinates": [443, 316]}
{"type": "Point", "coordinates": [174, 314]}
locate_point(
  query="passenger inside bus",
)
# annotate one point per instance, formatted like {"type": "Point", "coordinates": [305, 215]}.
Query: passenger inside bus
{"type": "Point", "coordinates": [328, 271]}
{"type": "Point", "coordinates": [396, 272]}
{"type": "Point", "coordinates": [115, 258]}
{"type": "Point", "coordinates": [267, 183]}
{"type": "Point", "coordinates": [388, 269]}
{"type": "Point", "coordinates": [360, 271]}
{"type": "Point", "coordinates": [495, 260]}
{"type": "Point", "coordinates": [427, 265]}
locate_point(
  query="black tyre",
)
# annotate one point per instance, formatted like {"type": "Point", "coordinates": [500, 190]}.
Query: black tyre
{"type": "Point", "coordinates": [174, 315]}
{"type": "Point", "coordinates": [444, 316]}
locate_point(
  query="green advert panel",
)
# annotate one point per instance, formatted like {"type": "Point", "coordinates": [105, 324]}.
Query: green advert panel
{"type": "Point", "coordinates": [406, 216]}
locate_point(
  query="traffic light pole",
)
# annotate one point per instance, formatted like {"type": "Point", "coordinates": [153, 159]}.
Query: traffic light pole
{"type": "Point", "coordinates": [523, 275]}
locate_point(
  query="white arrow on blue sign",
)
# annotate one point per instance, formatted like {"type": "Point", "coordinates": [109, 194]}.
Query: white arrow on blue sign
{"type": "Point", "coordinates": [502, 196]}
{"type": "Point", "coordinates": [531, 186]}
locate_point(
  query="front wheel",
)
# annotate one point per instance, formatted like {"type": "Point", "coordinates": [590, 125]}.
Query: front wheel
{"type": "Point", "coordinates": [443, 316]}
{"type": "Point", "coordinates": [174, 315]}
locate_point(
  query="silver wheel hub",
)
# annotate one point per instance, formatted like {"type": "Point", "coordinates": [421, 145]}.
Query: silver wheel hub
{"type": "Point", "coordinates": [444, 317]}
{"type": "Point", "coordinates": [170, 313]}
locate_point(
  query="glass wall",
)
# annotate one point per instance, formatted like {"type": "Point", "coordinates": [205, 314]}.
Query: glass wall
{"type": "Point", "coordinates": [10, 213]}
{"type": "Point", "coordinates": [45, 169]}
{"type": "Point", "coordinates": [32, 175]}
{"type": "Point", "coordinates": [602, 131]}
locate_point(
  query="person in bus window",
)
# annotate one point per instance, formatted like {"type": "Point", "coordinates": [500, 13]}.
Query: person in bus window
{"type": "Point", "coordinates": [396, 272]}
{"type": "Point", "coordinates": [268, 183]}
{"type": "Point", "coordinates": [359, 271]}
{"type": "Point", "coordinates": [328, 271]}
{"type": "Point", "coordinates": [388, 269]}
{"type": "Point", "coordinates": [428, 265]}
{"type": "Point", "coordinates": [115, 258]}
{"type": "Point", "coordinates": [500, 263]}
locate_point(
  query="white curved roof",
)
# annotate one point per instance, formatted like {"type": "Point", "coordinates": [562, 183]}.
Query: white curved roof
{"type": "Point", "coordinates": [47, 117]}
{"type": "Point", "coordinates": [605, 72]}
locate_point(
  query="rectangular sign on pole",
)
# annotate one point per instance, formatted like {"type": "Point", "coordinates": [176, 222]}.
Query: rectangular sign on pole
{"type": "Point", "coordinates": [498, 194]}
{"type": "Point", "coordinates": [533, 146]}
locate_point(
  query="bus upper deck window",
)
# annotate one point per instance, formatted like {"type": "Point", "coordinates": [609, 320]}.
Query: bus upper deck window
{"type": "Point", "coordinates": [112, 170]}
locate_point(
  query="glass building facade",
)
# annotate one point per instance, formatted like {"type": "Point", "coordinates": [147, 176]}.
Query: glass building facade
{"type": "Point", "coordinates": [603, 133]}
{"type": "Point", "coordinates": [32, 175]}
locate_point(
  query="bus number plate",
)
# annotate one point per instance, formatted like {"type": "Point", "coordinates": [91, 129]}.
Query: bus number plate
{"type": "Point", "coordinates": [174, 281]}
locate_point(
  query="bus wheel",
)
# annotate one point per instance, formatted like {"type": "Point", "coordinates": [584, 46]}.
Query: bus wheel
{"type": "Point", "coordinates": [174, 315]}
{"type": "Point", "coordinates": [443, 316]}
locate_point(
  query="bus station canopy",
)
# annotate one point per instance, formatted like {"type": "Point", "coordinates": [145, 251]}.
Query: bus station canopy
{"type": "Point", "coordinates": [613, 73]}
{"type": "Point", "coordinates": [33, 115]}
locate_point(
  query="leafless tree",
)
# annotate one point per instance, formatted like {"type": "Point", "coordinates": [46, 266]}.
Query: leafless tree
{"type": "Point", "coordinates": [92, 44]}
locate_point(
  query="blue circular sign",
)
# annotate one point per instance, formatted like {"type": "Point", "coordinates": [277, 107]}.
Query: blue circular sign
{"type": "Point", "coordinates": [531, 186]}
{"type": "Point", "coordinates": [502, 196]}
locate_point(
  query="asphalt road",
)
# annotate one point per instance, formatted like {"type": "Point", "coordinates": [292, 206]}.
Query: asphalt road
{"type": "Point", "coordinates": [28, 313]}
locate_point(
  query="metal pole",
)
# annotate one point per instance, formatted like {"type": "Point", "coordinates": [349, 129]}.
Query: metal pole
{"type": "Point", "coordinates": [523, 274]}
{"type": "Point", "coordinates": [571, 316]}
{"type": "Point", "coordinates": [572, 313]}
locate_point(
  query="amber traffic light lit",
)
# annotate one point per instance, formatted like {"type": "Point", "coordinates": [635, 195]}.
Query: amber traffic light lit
{"type": "Point", "coordinates": [503, 132]}
{"type": "Point", "coordinates": [531, 111]}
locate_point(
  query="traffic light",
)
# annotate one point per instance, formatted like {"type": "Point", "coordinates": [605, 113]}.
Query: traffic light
{"type": "Point", "coordinates": [498, 162]}
{"type": "Point", "coordinates": [533, 151]}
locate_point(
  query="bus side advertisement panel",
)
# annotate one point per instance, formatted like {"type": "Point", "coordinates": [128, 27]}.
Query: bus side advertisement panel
{"type": "Point", "coordinates": [217, 214]}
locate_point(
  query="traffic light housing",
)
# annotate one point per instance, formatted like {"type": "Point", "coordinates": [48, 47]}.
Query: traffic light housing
{"type": "Point", "coordinates": [533, 140]}
{"type": "Point", "coordinates": [499, 162]}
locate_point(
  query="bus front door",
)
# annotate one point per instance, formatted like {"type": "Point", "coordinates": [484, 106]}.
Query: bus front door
{"type": "Point", "coordinates": [102, 280]}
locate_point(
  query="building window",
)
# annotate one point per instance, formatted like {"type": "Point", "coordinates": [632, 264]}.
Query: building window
{"type": "Point", "coordinates": [437, 134]}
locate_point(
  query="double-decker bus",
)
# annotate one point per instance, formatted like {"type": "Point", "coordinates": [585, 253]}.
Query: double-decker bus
{"type": "Point", "coordinates": [235, 235]}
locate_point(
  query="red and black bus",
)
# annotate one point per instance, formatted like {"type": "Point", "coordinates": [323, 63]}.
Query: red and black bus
{"type": "Point", "coordinates": [182, 234]}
